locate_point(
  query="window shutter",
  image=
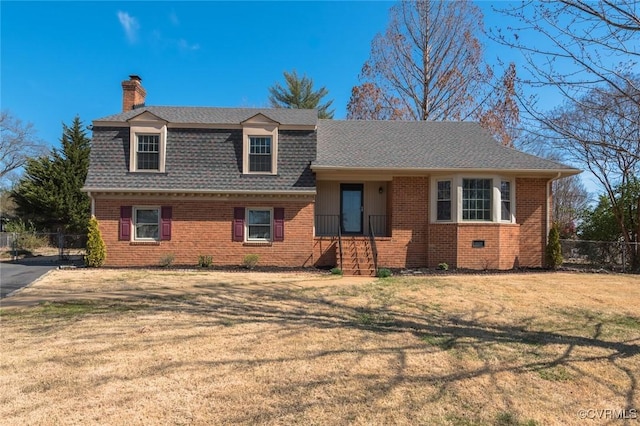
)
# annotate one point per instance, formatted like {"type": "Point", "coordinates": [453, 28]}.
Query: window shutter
{"type": "Point", "coordinates": [125, 223]}
{"type": "Point", "coordinates": [165, 223]}
{"type": "Point", "coordinates": [238, 224]}
{"type": "Point", "coordinates": [278, 224]}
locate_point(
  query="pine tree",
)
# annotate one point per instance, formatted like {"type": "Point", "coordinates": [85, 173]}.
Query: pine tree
{"type": "Point", "coordinates": [49, 193]}
{"type": "Point", "coordinates": [299, 93]}
{"type": "Point", "coordinates": [554, 250]}
{"type": "Point", "coordinates": [96, 249]}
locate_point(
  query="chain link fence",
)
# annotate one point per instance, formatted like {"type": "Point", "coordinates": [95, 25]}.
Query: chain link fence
{"type": "Point", "coordinates": [611, 255]}
{"type": "Point", "coordinates": [67, 247]}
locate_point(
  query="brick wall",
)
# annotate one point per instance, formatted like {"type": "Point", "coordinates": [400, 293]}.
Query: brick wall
{"type": "Point", "coordinates": [531, 214]}
{"type": "Point", "coordinates": [443, 244]}
{"type": "Point", "coordinates": [204, 227]}
{"type": "Point", "coordinates": [409, 223]}
{"type": "Point", "coordinates": [501, 246]}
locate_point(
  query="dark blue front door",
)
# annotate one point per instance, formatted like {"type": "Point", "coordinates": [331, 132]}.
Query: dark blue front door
{"type": "Point", "coordinates": [351, 208]}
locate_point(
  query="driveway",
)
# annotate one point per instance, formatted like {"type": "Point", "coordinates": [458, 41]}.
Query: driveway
{"type": "Point", "coordinates": [16, 275]}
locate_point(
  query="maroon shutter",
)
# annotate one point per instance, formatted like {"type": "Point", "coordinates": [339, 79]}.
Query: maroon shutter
{"type": "Point", "coordinates": [165, 223]}
{"type": "Point", "coordinates": [125, 223]}
{"type": "Point", "coordinates": [238, 224]}
{"type": "Point", "coordinates": [278, 224]}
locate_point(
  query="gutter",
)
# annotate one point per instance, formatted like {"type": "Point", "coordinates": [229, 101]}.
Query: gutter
{"type": "Point", "coordinates": [549, 202]}
{"type": "Point", "coordinates": [405, 170]}
{"type": "Point", "coordinates": [197, 191]}
{"type": "Point", "coordinates": [93, 203]}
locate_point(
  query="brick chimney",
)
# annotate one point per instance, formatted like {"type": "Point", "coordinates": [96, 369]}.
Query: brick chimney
{"type": "Point", "coordinates": [133, 94]}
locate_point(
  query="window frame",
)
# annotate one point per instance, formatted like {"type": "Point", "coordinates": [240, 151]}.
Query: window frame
{"type": "Point", "coordinates": [253, 138]}
{"type": "Point", "coordinates": [247, 225]}
{"type": "Point", "coordinates": [134, 223]}
{"type": "Point", "coordinates": [147, 129]}
{"type": "Point", "coordinates": [509, 201]}
{"type": "Point", "coordinates": [476, 200]}
{"type": "Point", "coordinates": [259, 126]}
{"type": "Point", "coordinates": [138, 152]}
{"type": "Point", "coordinates": [438, 200]}
{"type": "Point", "coordinates": [457, 198]}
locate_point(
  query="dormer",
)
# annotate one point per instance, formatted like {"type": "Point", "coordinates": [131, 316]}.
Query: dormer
{"type": "Point", "coordinates": [148, 143]}
{"type": "Point", "coordinates": [260, 145]}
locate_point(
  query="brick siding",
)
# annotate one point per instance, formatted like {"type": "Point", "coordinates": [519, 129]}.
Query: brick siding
{"type": "Point", "coordinates": [204, 227]}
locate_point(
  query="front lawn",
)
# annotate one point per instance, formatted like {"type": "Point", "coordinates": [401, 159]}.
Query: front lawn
{"type": "Point", "coordinates": [171, 347]}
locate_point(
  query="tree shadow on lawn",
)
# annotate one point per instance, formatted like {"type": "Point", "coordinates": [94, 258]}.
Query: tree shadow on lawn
{"type": "Point", "coordinates": [230, 305]}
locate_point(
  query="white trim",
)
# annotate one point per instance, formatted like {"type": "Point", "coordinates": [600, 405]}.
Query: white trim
{"type": "Point", "coordinates": [217, 126]}
{"type": "Point", "coordinates": [259, 130]}
{"type": "Point", "coordinates": [246, 225]}
{"type": "Point", "coordinates": [148, 128]}
{"type": "Point", "coordinates": [456, 198]}
{"type": "Point", "coordinates": [402, 171]}
{"type": "Point", "coordinates": [134, 210]}
{"type": "Point", "coordinates": [452, 196]}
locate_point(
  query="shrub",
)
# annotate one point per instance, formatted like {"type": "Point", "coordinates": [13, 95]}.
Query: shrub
{"type": "Point", "coordinates": [27, 239]}
{"type": "Point", "coordinates": [336, 271]}
{"type": "Point", "coordinates": [250, 261]}
{"type": "Point", "coordinates": [96, 249]}
{"type": "Point", "coordinates": [167, 260]}
{"type": "Point", "coordinates": [443, 266]}
{"type": "Point", "coordinates": [205, 261]}
{"type": "Point", "coordinates": [383, 273]}
{"type": "Point", "coordinates": [553, 252]}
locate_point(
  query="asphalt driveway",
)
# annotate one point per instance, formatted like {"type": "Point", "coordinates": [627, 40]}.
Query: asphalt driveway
{"type": "Point", "coordinates": [16, 275]}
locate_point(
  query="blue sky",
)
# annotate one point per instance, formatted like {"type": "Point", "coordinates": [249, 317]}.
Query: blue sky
{"type": "Point", "coordinates": [62, 59]}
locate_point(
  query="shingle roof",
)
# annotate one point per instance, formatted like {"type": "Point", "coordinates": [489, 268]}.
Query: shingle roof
{"type": "Point", "coordinates": [207, 115]}
{"type": "Point", "coordinates": [419, 145]}
{"type": "Point", "coordinates": [205, 160]}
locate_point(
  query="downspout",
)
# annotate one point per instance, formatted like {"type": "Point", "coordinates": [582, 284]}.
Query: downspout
{"type": "Point", "coordinates": [93, 204]}
{"type": "Point", "coordinates": [548, 214]}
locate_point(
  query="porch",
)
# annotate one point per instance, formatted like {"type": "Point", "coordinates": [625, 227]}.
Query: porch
{"type": "Point", "coordinates": [353, 209]}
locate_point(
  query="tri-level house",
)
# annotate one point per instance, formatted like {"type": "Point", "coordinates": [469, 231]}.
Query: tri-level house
{"type": "Point", "coordinates": [299, 191]}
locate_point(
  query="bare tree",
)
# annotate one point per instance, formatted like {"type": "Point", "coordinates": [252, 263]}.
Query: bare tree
{"type": "Point", "coordinates": [570, 200]}
{"type": "Point", "coordinates": [575, 47]}
{"type": "Point", "coordinates": [18, 142]}
{"type": "Point", "coordinates": [599, 131]}
{"type": "Point", "coordinates": [501, 115]}
{"type": "Point", "coordinates": [429, 65]}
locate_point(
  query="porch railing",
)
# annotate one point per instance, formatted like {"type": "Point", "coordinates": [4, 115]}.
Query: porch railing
{"type": "Point", "coordinates": [374, 249]}
{"type": "Point", "coordinates": [327, 225]}
{"type": "Point", "coordinates": [378, 225]}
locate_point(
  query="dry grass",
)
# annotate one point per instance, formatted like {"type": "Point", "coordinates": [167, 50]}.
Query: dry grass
{"type": "Point", "coordinates": [140, 347]}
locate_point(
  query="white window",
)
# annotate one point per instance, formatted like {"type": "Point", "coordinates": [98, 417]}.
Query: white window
{"type": "Point", "coordinates": [444, 200]}
{"type": "Point", "coordinates": [260, 145]}
{"type": "Point", "coordinates": [148, 144]}
{"type": "Point", "coordinates": [148, 152]}
{"type": "Point", "coordinates": [260, 154]}
{"type": "Point", "coordinates": [476, 199]}
{"type": "Point", "coordinates": [259, 224]}
{"type": "Point", "coordinates": [146, 224]}
{"type": "Point", "coordinates": [505, 200]}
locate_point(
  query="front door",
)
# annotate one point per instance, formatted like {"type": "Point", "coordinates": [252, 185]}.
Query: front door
{"type": "Point", "coordinates": [351, 208]}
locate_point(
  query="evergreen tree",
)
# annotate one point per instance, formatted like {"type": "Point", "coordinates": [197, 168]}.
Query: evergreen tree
{"type": "Point", "coordinates": [554, 250]}
{"type": "Point", "coordinates": [96, 249]}
{"type": "Point", "coordinates": [49, 193]}
{"type": "Point", "coordinates": [299, 93]}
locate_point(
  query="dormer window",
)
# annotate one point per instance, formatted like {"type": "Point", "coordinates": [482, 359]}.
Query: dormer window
{"type": "Point", "coordinates": [148, 152]}
{"type": "Point", "coordinates": [260, 154]}
{"type": "Point", "coordinates": [148, 143]}
{"type": "Point", "coordinates": [260, 145]}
